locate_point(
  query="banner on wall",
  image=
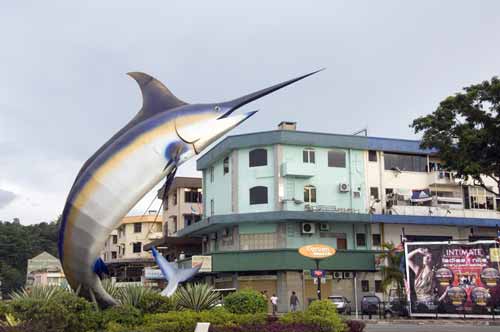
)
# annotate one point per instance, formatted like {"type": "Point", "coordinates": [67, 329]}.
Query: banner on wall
{"type": "Point", "coordinates": [453, 278]}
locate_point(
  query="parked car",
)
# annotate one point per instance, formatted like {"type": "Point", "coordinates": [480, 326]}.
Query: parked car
{"type": "Point", "coordinates": [343, 305]}
{"type": "Point", "coordinates": [370, 305]}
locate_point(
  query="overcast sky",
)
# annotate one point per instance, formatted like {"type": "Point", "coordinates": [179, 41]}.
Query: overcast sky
{"type": "Point", "coordinates": [63, 89]}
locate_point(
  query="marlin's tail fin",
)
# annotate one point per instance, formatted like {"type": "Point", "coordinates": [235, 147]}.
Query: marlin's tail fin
{"type": "Point", "coordinates": [172, 274]}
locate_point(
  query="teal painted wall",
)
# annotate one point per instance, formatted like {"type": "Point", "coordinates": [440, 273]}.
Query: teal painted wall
{"type": "Point", "coordinates": [219, 190]}
{"type": "Point", "coordinates": [257, 228]}
{"type": "Point", "coordinates": [295, 239]}
{"type": "Point", "coordinates": [326, 179]}
{"type": "Point", "coordinates": [249, 177]}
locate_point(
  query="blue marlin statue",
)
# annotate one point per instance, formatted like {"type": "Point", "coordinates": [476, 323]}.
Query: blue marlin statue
{"type": "Point", "coordinates": [164, 134]}
{"type": "Point", "coordinates": [173, 275]}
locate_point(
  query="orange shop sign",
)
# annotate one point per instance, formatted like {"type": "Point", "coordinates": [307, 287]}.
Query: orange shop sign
{"type": "Point", "coordinates": [317, 251]}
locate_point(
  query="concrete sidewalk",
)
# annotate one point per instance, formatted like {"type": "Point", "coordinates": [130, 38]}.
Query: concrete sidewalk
{"type": "Point", "coordinates": [440, 321]}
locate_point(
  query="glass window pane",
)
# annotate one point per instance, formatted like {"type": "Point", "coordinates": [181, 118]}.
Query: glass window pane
{"type": "Point", "coordinates": [336, 158]}
{"type": "Point", "coordinates": [258, 157]}
{"type": "Point", "coordinates": [258, 195]}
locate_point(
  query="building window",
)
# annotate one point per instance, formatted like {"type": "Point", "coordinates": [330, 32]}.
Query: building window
{"type": "Point", "coordinates": [360, 240]}
{"type": "Point", "coordinates": [113, 255]}
{"type": "Point", "coordinates": [174, 197]}
{"type": "Point", "coordinates": [342, 243]}
{"type": "Point", "coordinates": [212, 207]}
{"type": "Point", "coordinates": [365, 285]}
{"type": "Point", "coordinates": [174, 221]}
{"type": "Point", "coordinates": [257, 157]}
{"type": "Point", "coordinates": [374, 193]}
{"type": "Point", "coordinates": [378, 286]}
{"type": "Point", "coordinates": [192, 195]}
{"type": "Point", "coordinates": [258, 195]}
{"type": "Point", "coordinates": [405, 162]}
{"type": "Point", "coordinates": [115, 239]}
{"type": "Point", "coordinates": [137, 227]}
{"type": "Point", "coordinates": [480, 199]}
{"type": "Point", "coordinates": [310, 194]}
{"type": "Point", "coordinates": [376, 240]}
{"type": "Point", "coordinates": [336, 158]}
{"type": "Point", "coordinates": [190, 219]}
{"type": "Point", "coordinates": [372, 155]}
{"type": "Point", "coordinates": [137, 247]}
{"type": "Point", "coordinates": [211, 170]}
{"type": "Point", "coordinates": [308, 156]}
{"type": "Point", "coordinates": [226, 165]}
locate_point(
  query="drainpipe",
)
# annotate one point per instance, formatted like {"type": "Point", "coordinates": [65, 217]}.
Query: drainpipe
{"type": "Point", "coordinates": [349, 151]}
{"type": "Point", "coordinates": [355, 280]}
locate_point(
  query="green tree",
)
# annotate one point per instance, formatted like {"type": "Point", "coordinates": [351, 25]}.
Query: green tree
{"type": "Point", "coordinates": [465, 129]}
{"type": "Point", "coordinates": [391, 272]}
{"type": "Point", "coordinates": [18, 243]}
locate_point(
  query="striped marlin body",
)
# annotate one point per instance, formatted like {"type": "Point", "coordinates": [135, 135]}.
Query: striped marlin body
{"type": "Point", "coordinates": [164, 134]}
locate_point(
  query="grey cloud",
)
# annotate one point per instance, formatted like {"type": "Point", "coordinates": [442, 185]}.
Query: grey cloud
{"type": "Point", "coordinates": [6, 197]}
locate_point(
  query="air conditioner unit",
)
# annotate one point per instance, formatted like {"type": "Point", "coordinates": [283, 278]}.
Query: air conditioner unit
{"type": "Point", "coordinates": [338, 275]}
{"type": "Point", "coordinates": [344, 187]}
{"type": "Point", "coordinates": [324, 227]}
{"type": "Point", "coordinates": [347, 275]}
{"type": "Point", "coordinates": [308, 228]}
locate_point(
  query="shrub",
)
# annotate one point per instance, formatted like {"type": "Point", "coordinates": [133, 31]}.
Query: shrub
{"type": "Point", "coordinates": [197, 297]}
{"type": "Point", "coordinates": [185, 321]}
{"type": "Point", "coordinates": [247, 301]}
{"type": "Point", "coordinates": [323, 314]}
{"type": "Point", "coordinates": [65, 312]}
{"type": "Point", "coordinates": [355, 325]}
{"type": "Point", "coordinates": [270, 327]}
{"type": "Point", "coordinates": [45, 293]}
{"type": "Point", "coordinates": [123, 314]}
{"type": "Point", "coordinates": [155, 303]}
{"type": "Point", "coordinates": [4, 309]}
{"type": "Point", "coordinates": [132, 294]}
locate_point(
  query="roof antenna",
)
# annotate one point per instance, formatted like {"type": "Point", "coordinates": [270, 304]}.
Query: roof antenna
{"type": "Point", "coordinates": [364, 130]}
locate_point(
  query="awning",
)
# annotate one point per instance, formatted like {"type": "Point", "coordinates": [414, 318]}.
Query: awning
{"type": "Point", "coordinates": [420, 195]}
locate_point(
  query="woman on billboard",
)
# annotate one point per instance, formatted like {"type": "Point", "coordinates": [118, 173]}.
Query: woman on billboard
{"type": "Point", "coordinates": [424, 276]}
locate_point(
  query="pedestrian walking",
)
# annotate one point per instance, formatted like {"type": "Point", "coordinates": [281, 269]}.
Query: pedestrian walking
{"type": "Point", "coordinates": [274, 302]}
{"type": "Point", "coordinates": [294, 302]}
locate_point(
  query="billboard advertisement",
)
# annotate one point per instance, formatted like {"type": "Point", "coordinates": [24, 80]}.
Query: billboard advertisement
{"type": "Point", "coordinates": [453, 278]}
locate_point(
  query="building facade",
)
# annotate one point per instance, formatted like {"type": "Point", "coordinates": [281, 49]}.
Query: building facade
{"type": "Point", "coordinates": [267, 194]}
{"type": "Point", "coordinates": [182, 205]}
{"type": "Point", "coordinates": [45, 270]}
{"type": "Point", "coordinates": [123, 251]}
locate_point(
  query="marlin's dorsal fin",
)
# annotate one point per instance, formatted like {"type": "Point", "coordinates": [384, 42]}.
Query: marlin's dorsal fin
{"type": "Point", "coordinates": [155, 96]}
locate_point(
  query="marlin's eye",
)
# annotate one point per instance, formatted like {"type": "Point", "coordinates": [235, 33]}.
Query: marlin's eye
{"type": "Point", "coordinates": [217, 108]}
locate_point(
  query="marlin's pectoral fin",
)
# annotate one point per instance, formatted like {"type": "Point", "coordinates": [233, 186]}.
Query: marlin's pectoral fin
{"type": "Point", "coordinates": [100, 267]}
{"type": "Point", "coordinates": [155, 96]}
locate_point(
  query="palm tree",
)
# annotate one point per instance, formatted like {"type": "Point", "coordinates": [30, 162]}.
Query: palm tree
{"type": "Point", "coordinates": [392, 275]}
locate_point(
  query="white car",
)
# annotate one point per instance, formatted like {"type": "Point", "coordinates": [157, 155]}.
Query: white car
{"type": "Point", "coordinates": [343, 305]}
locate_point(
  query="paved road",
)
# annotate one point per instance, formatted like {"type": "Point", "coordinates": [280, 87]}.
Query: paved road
{"type": "Point", "coordinates": [429, 328]}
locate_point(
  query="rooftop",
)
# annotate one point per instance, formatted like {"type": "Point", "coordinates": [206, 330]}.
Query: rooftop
{"type": "Point", "coordinates": [309, 138]}
{"type": "Point", "coordinates": [181, 182]}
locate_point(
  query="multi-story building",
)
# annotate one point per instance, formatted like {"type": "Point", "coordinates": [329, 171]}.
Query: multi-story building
{"type": "Point", "coordinates": [182, 207]}
{"type": "Point", "coordinates": [123, 251]}
{"type": "Point", "coordinates": [266, 194]}
{"type": "Point", "coordinates": [44, 270]}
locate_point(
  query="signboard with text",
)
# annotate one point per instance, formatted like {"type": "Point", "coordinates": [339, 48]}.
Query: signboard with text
{"type": "Point", "coordinates": [453, 278]}
{"type": "Point", "coordinates": [317, 251]}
